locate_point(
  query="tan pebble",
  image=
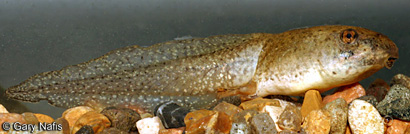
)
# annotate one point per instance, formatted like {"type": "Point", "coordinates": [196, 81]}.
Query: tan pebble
{"type": "Point", "coordinates": [349, 93]}
{"type": "Point", "coordinates": [197, 115]}
{"type": "Point", "coordinates": [11, 117]}
{"type": "Point", "coordinates": [96, 120]}
{"type": "Point", "coordinates": [3, 109]}
{"type": "Point", "coordinates": [312, 101]}
{"type": "Point", "coordinates": [338, 113]}
{"type": "Point", "coordinates": [149, 125]}
{"type": "Point", "coordinates": [172, 131]}
{"type": "Point", "coordinates": [258, 104]}
{"type": "Point", "coordinates": [364, 118]}
{"type": "Point", "coordinates": [72, 114]}
{"type": "Point", "coordinates": [227, 108]}
{"type": "Point", "coordinates": [30, 118]}
{"type": "Point", "coordinates": [146, 115]}
{"type": "Point", "coordinates": [218, 122]}
{"type": "Point", "coordinates": [317, 121]}
{"type": "Point", "coordinates": [44, 118]}
{"type": "Point", "coordinates": [290, 118]}
{"type": "Point", "coordinates": [64, 124]}
{"type": "Point", "coordinates": [397, 127]}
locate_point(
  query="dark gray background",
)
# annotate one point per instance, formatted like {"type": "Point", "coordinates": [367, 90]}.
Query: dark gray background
{"type": "Point", "coordinates": [45, 35]}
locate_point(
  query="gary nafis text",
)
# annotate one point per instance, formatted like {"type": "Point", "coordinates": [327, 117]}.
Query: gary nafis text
{"type": "Point", "coordinates": [42, 126]}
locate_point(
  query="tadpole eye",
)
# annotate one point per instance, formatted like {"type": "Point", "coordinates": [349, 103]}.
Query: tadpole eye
{"type": "Point", "coordinates": [348, 36]}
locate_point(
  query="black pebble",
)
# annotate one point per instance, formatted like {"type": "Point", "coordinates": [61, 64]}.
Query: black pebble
{"type": "Point", "coordinates": [171, 114]}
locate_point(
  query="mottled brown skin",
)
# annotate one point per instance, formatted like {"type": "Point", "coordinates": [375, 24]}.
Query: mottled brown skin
{"type": "Point", "coordinates": [192, 72]}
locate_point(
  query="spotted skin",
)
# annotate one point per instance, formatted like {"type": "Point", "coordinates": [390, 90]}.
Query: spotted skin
{"type": "Point", "coordinates": [192, 72]}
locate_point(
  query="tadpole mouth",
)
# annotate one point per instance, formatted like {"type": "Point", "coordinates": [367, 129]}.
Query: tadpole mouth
{"type": "Point", "coordinates": [389, 63]}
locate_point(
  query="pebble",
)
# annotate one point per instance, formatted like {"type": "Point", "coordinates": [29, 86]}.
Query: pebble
{"type": "Point", "coordinates": [396, 103]}
{"type": "Point", "coordinates": [172, 131]}
{"type": "Point", "coordinates": [312, 101]}
{"type": "Point", "coordinates": [121, 118]}
{"type": "Point", "coordinates": [262, 124]}
{"type": "Point", "coordinates": [378, 89]}
{"type": "Point", "coordinates": [364, 118]}
{"type": "Point", "coordinates": [227, 108]}
{"type": "Point", "coordinates": [149, 125]}
{"type": "Point", "coordinates": [113, 130]}
{"type": "Point", "coordinates": [11, 117]}
{"type": "Point", "coordinates": [274, 112]}
{"type": "Point", "coordinates": [3, 109]}
{"type": "Point", "coordinates": [96, 120]}
{"type": "Point", "coordinates": [86, 129]}
{"type": "Point", "coordinates": [194, 116]}
{"type": "Point", "coordinates": [241, 122]}
{"type": "Point", "coordinates": [30, 118]}
{"type": "Point", "coordinates": [72, 114]}
{"type": "Point", "coordinates": [401, 79]}
{"type": "Point", "coordinates": [348, 92]}
{"type": "Point", "coordinates": [65, 126]}
{"type": "Point", "coordinates": [44, 118]}
{"type": "Point", "coordinates": [290, 119]}
{"type": "Point", "coordinates": [258, 104]}
{"type": "Point", "coordinates": [338, 114]}
{"type": "Point", "coordinates": [171, 114]}
{"type": "Point", "coordinates": [317, 121]}
{"type": "Point", "coordinates": [397, 127]}
{"type": "Point", "coordinates": [216, 122]}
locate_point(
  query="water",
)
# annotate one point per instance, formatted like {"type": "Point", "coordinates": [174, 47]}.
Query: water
{"type": "Point", "coordinates": [44, 35]}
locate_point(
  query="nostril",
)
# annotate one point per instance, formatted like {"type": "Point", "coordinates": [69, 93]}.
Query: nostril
{"type": "Point", "coordinates": [390, 62]}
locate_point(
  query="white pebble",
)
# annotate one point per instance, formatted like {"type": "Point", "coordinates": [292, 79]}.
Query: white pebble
{"type": "Point", "coordinates": [364, 118]}
{"type": "Point", "coordinates": [149, 125]}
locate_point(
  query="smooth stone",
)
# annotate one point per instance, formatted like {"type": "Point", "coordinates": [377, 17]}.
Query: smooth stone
{"type": "Point", "coordinates": [312, 101]}
{"type": "Point", "coordinates": [171, 114]}
{"type": "Point", "coordinates": [378, 89]}
{"type": "Point", "coordinates": [72, 114]}
{"type": "Point", "coordinates": [3, 109]}
{"type": "Point", "coordinates": [64, 124]}
{"type": "Point", "coordinates": [370, 99]}
{"type": "Point", "coordinates": [86, 129]}
{"type": "Point", "coordinates": [401, 79]}
{"type": "Point", "coordinates": [217, 122]}
{"type": "Point", "coordinates": [30, 118]}
{"type": "Point", "coordinates": [364, 118]}
{"type": "Point", "coordinates": [317, 121]}
{"type": "Point", "coordinates": [397, 127]}
{"type": "Point", "coordinates": [122, 118]}
{"type": "Point", "coordinates": [258, 104]}
{"type": "Point", "coordinates": [113, 130]}
{"type": "Point", "coordinates": [290, 119]}
{"type": "Point", "coordinates": [348, 92]}
{"type": "Point", "coordinates": [396, 103]}
{"type": "Point", "coordinates": [44, 118]}
{"type": "Point", "coordinates": [227, 108]}
{"type": "Point", "coordinates": [262, 124]}
{"type": "Point", "coordinates": [96, 120]}
{"type": "Point", "coordinates": [149, 125]}
{"type": "Point", "coordinates": [338, 113]}
{"type": "Point", "coordinates": [240, 121]}
{"type": "Point", "coordinates": [11, 117]}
